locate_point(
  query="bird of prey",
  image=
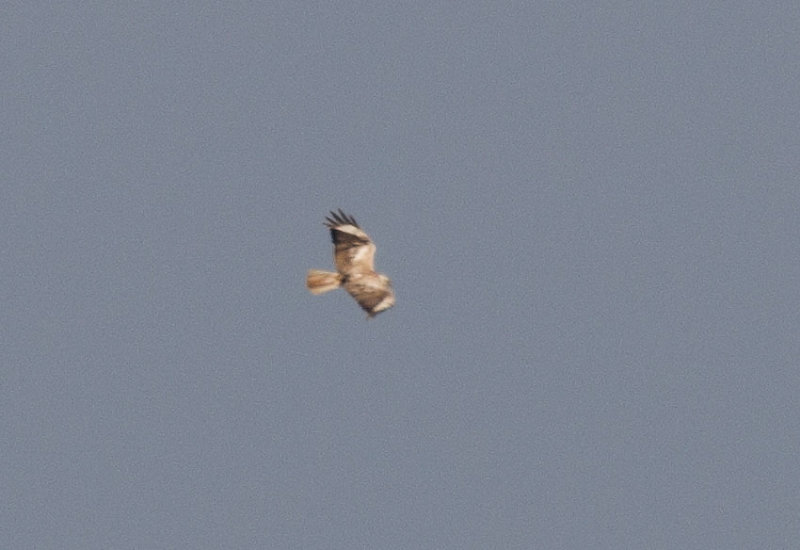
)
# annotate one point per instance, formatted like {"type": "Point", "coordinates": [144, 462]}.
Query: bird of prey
{"type": "Point", "coordinates": [353, 255]}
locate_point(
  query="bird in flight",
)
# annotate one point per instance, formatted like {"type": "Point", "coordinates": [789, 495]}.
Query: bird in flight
{"type": "Point", "coordinates": [353, 255]}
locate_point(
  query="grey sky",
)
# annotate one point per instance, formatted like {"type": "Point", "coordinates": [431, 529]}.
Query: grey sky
{"type": "Point", "coordinates": [589, 212]}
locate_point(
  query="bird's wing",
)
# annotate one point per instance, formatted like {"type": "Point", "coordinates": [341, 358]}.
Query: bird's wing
{"type": "Point", "coordinates": [353, 250]}
{"type": "Point", "coordinates": [372, 292]}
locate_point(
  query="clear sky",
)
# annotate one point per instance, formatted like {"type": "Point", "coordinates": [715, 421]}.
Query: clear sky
{"type": "Point", "coordinates": [590, 212]}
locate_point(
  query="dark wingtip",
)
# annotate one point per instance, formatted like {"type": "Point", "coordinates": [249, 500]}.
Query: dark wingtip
{"type": "Point", "coordinates": [340, 218]}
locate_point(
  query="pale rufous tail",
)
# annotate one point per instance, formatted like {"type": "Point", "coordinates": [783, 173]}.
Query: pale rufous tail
{"type": "Point", "coordinates": [319, 281]}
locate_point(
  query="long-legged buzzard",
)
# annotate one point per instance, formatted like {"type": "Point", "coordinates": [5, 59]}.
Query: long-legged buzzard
{"type": "Point", "coordinates": [353, 255]}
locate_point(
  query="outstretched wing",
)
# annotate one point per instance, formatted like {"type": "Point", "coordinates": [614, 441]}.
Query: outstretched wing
{"type": "Point", "coordinates": [372, 292]}
{"type": "Point", "coordinates": [353, 250]}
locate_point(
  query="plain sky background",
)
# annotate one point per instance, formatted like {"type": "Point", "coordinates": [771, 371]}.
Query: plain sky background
{"type": "Point", "coordinates": [590, 212]}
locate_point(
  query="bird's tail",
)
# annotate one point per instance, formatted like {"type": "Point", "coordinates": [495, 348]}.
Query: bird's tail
{"type": "Point", "coordinates": [319, 282]}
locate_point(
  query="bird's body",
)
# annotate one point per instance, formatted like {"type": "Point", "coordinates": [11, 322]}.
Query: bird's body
{"type": "Point", "coordinates": [353, 255]}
